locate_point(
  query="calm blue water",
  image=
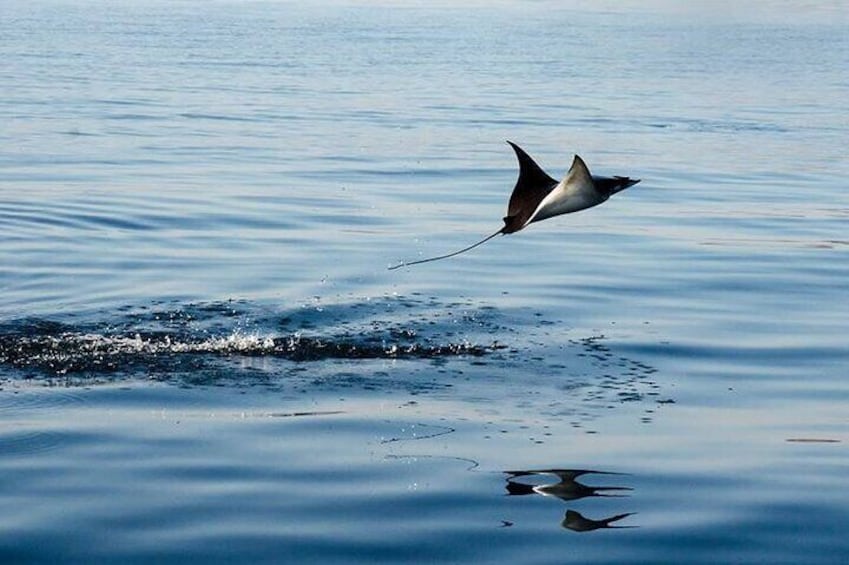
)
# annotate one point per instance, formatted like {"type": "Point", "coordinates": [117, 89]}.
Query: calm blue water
{"type": "Point", "coordinates": [204, 358]}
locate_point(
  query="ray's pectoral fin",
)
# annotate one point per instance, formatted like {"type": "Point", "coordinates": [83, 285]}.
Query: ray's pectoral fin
{"type": "Point", "coordinates": [579, 174]}
{"type": "Point", "coordinates": [532, 186]}
{"type": "Point", "coordinates": [577, 191]}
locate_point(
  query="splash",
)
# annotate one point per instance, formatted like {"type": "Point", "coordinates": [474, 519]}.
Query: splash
{"type": "Point", "coordinates": [194, 335]}
{"type": "Point", "coordinates": [420, 345]}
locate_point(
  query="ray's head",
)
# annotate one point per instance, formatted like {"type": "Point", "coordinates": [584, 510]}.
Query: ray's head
{"type": "Point", "coordinates": [608, 186]}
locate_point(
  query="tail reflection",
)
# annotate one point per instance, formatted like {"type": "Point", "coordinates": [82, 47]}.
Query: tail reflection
{"type": "Point", "coordinates": [568, 488]}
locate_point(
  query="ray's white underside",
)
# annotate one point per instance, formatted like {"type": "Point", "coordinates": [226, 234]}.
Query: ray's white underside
{"type": "Point", "coordinates": [575, 192]}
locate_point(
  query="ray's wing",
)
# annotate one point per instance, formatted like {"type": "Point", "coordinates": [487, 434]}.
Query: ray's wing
{"type": "Point", "coordinates": [575, 192]}
{"type": "Point", "coordinates": [531, 187]}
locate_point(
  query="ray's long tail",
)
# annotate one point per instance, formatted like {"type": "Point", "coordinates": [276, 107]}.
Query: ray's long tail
{"type": "Point", "coordinates": [429, 259]}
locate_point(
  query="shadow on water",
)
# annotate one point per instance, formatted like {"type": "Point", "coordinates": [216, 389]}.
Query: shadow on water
{"type": "Point", "coordinates": [569, 489]}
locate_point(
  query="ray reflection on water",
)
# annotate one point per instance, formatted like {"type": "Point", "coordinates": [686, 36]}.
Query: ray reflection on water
{"type": "Point", "coordinates": [569, 489]}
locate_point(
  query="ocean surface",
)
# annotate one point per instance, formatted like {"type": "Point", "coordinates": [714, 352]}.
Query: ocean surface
{"type": "Point", "coordinates": [203, 356]}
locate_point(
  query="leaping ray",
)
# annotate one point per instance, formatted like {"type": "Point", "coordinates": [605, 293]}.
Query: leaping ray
{"type": "Point", "coordinates": [537, 196]}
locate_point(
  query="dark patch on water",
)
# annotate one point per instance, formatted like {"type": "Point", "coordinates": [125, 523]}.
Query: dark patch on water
{"type": "Point", "coordinates": [26, 442]}
{"type": "Point", "coordinates": [416, 344]}
{"type": "Point", "coordinates": [197, 337]}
